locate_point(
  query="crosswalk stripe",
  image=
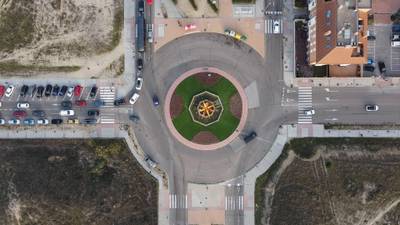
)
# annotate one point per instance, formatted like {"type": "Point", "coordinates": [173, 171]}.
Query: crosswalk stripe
{"type": "Point", "coordinates": [304, 103]}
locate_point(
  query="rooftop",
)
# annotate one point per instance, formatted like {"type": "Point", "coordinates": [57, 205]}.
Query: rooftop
{"type": "Point", "coordinates": [347, 23]}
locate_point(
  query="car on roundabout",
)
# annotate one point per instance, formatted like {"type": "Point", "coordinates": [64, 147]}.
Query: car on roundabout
{"type": "Point", "coordinates": [42, 122]}
{"type": "Point", "coordinates": [22, 105]}
{"type": "Point", "coordinates": [14, 122]}
{"type": "Point", "coordinates": [29, 122]}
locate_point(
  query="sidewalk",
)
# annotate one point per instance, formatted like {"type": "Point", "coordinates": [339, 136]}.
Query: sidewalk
{"type": "Point", "coordinates": [286, 133]}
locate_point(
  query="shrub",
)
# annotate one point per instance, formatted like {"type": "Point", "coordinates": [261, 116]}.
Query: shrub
{"type": "Point", "coordinates": [213, 6]}
{"type": "Point", "coordinates": [193, 3]}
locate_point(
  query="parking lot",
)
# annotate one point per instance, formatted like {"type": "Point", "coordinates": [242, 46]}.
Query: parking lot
{"type": "Point", "coordinates": [94, 109]}
{"type": "Point", "coordinates": [381, 50]}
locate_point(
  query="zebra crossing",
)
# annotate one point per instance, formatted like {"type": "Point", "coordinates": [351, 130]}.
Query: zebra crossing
{"type": "Point", "coordinates": [234, 202]}
{"type": "Point", "coordinates": [177, 201]}
{"type": "Point", "coordinates": [304, 103]}
{"type": "Point", "coordinates": [107, 119]}
{"type": "Point", "coordinates": [107, 95]}
{"type": "Point", "coordinates": [269, 26]}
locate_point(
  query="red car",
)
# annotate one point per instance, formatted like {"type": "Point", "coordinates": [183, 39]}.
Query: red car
{"type": "Point", "coordinates": [81, 103]}
{"type": "Point", "coordinates": [19, 114]}
{"type": "Point", "coordinates": [2, 89]}
{"type": "Point", "coordinates": [149, 2]}
{"type": "Point", "coordinates": [78, 90]}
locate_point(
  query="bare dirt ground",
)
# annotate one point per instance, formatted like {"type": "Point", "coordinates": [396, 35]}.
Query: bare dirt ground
{"type": "Point", "coordinates": [340, 183]}
{"type": "Point", "coordinates": [203, 9]}
{"type": "Point", "coordinates": [80, 182]}
{"type": "Point", "coordinates": [47, 36]}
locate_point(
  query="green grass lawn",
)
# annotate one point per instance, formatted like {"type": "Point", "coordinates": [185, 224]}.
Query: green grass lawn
{"type": "Point", "coordinates": [221, 129]}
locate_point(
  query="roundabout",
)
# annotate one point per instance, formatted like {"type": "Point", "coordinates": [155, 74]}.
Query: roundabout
{"type": "Point", "coordinates": [205, 108]}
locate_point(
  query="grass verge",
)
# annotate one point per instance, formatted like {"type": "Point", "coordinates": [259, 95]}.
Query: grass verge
{"type": "Point", "coordinates": [194, 5]}
{"type": "Point", "coordinates": [7, 67]}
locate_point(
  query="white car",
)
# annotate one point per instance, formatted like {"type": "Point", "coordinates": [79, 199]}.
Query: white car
{"type": "Point", "coordinates": [23, 105]}
{"type": "Point", "coordinates": [277, 27]}
{"type": "Point", "coordinates": [68, 112]}
{"type": "Point", "coordinates": [139, 83]}
{"type": "Point", "coordinates": [371, 108]}
{"type": "Point", "coordinates": [309, 112]}
{"type": "Point", "coordinates": [2, 122]}
{"type": "Point", "coordinates": [9, 90]}
{"type": "Point", "coordinates": [150, 162]}
{"type": "Point", "coordinates": [42, 121]}
{"type": "Point", "coordinates": [134, 98]}
{"type": "Point", "coordinates": [70, 91]}
{"type": "Point", "coordinates": [14, 122]}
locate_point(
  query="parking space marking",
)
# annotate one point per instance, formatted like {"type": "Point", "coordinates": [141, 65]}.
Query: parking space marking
{"type": "Point", "coordinates": [395, 58]}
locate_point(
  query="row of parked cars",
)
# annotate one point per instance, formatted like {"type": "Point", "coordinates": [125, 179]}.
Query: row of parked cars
{"type": "Point", "coordinates": [47, 91]}
{"type": "Point", "coordinates": [31, 121]}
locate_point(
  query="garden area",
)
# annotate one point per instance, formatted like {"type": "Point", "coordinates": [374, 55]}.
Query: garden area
{"type": "Point", "coordinates": [192, 120]}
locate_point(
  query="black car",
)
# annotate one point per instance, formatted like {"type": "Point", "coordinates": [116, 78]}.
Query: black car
{"type": "Point", "coordinates": [63, 90]}
{"type": "Point", "coordinates": [134, 118]}
{"type": "Point", "coordinates": [56, 89]}
{"type": "Point", "coordinates": [40, 91]}
{"type": "Point", "coordinates": [24, 90]}
{"type": "Point", "coordinates": [38, 113]}
{"type": "Point", "coordinates": [371, 38]}
{"type": "Point", "coordinates": [56, 121]}
{"type": "Point", "coordinates": [93, 92]}
{"type": "Point", "coordinates": [47, 92]}
{"type": "Point", "coordinates": [250, 137]}
{"type": "Point", "coordinates": [382, 67]}
{"type": "Point", "coordinates": [66, 104]}
{"type": "Point", "coordinates": [156, 102]}
{"type": "Point", "coordinates": [369, 68]}
{"type": "Point", "coordinates": [141, 6]}
{"type": "Point", "coordinates": [93, 113]}
{"type": "Point", "coordinates": [139, 64]}
{"type": "Point", "coordinates": [89, 121]}
{"type": "Point", "coordinates": [119, 101]}
{"type": "Point", "coordinates": [33, 90]}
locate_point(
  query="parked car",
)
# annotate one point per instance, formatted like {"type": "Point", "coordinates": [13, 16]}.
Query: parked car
{"type": "Point", "coordinates": [89, 121]}
{"type": "Point", "coordinates": [93, 113]}
{"type": "Point", "coordinates": [134, 98]}
{"type": "Point", "coordinates": [19, 113]}
{"type": "Point", "coordinates": [66, 104]}
{"type": "Point", "coordinates": [235, 35]}
{"type": "Point", "coordinates": [250, 137]}
{"type": "Point", "coordinates": [14, 122]}
{"type": "Point", "coordinates": [156, 102]}
{"type": "Point", "coordinates": [369, 68]}
{"type": "Point", "coordinates": [190, 27]}
{"type": "Point", "coordinates": [2, 121]}
{"type": "Point", "coordinates": [68, 112]}
{"type": "Point", "coordinates": [150, 32]}
{"type": "Point", "coordinates": [119, 101]}
{"type": "Point", "coordinates": [63, 90]}
{"type": "Point", "coordinates": [56, 121]}
{"type": "Point", "coordinates": [276, 27]}
{"type": "Point", "coordinates": [150, 162]}
{"type": "Point", "coordinates": [33, 90]}
{"type": "Point", "coordinates": [2, 90]}
{"type": "Point", "coordinates": [38, 113]}
{"type": "Point", "coordinates": [24, 90]}
{"type": "Point", "coordinates": [9, 90]}
{"type": "Point", "coordinates": [29, 122]}
{"type": "Point", "coordinates": [371, 108]}
{"type": "Point", "coordinates": [56, 89]}
{"type": "Point", "coordinates": [40, 91]}
{"type": "Point", "coordinates": [98, 103]}
{"type": "Point", "coordinates": [382, 67]}
{"type": "Point", "coordinates": [149, 2]}
{"type": "Point", "coordinates": [42, 121]}
{"type": "Point", "coordinates": [22, 105]}
{"type": "Point", "coordinates": [141, 6]}
{"type": "Point", "coordinates": [70, 91]}
{"type": "Point", "coordinates": [139, 83]}
{"type": "Point", "coordinates": [78, 90]}
{"type": "Point", "coordinates": [93, 92]}
{"type": "Point", "coordinates": [48, 90]}
{"type": "Point", "coordinates": [139, 64]}
{"type": "Point", "coordinates": [134, 118]}
{"type": "Point", "coordinates": [73, 121]}
{"type": "Point", "coordinates": [80, 103]}
{"type": "Point", "coordinates": [371, 38]}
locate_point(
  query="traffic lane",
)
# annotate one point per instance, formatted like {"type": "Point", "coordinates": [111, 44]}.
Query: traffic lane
{"type": "Point", "coordinates": [356, 114]}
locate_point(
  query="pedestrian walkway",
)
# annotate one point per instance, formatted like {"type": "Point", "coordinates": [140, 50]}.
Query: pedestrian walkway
{"type": "Point", "coordinates": [177, 201]}
{"type": "Point", "coordinates": [107, 118]}
{"type": "Point", "coordinates": [304, 103]}
{"type": "Point", "coordinates": [107, 95]}
{"type": "Point", "coordinates": [371, 43]}
{"type": "Point", "coordinates": [234, 202]}
{"type": "Point", "coordinates": [269, 26]}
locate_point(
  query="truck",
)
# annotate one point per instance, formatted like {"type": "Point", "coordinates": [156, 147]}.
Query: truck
{"type": "Point", "coordinates": [140, 33]}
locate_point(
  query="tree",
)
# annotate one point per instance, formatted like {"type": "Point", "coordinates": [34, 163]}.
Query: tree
{"type": "Point", "coordinates": [396, 17]}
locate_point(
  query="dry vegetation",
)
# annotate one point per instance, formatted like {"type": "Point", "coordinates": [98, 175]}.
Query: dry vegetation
{"type": "Point", "coordinates": [79, 182]}
{"type": "Point", "coordinates": [345, 181]}
{"type": "Point", "coordinates": [57, 35]}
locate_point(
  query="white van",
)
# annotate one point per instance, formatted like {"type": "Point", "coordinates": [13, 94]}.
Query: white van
{"type": "Point", "coordinates": [150, 33]}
